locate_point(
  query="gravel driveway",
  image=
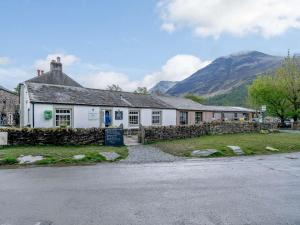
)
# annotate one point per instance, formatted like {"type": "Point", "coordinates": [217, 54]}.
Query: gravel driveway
{"type": "Point", "coordinates": [147, 154]}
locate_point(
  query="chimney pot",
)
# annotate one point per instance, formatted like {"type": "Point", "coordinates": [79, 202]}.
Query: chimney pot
{"type": "Point", "coordinates": [56, 65]}
{"type": "Point", "coordinates": [58, 59]}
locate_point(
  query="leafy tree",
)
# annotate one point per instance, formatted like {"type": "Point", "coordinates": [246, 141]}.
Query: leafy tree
{"type": "Point", "coordinates": [289, 75]}
{"type": "Point", "coordinates": [269, 90]}
{"type": "Point", "coordinates": [141, 90]}
{"type": "Point", "coordinates": [195, 98]}
{"type": "Point", "coordinates": [114, 87]}
{"type": "Point", "coordinates": [17, 89]}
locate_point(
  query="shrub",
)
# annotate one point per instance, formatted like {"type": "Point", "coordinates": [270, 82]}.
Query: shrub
{"type": "Point", "coordinates": [94, 157]}
{"type": "Point", "coordinates": [10, 160]}
{"type": "Point", "coordinates": [45, 161]}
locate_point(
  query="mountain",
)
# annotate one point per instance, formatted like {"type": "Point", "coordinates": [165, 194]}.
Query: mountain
{"type": "Point", "coordinates": [236, 97]}
{"type": "Point", "coordinates": [162, 87]}
{"type": "Point", "coordinates": [227, 76]}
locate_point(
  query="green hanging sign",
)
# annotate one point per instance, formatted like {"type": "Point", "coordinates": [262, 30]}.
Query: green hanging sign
{"type": "Point", "coordinates": [48, 114]}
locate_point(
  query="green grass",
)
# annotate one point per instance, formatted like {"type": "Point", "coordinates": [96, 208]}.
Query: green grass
{"type": "Point", "coordinates": [59, 154]}
{"type": "Point", "coordinates": [252, 144]}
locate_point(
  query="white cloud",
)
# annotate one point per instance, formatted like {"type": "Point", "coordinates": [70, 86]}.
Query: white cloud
{"type": "Point", "coordinates": [176, 68]}
{"type": "Point", "coordinates": [169, 27]}
{"type": "Point", "coordinates": [11, 77]}
{"type": "Point", "coordinates": [44, 64]}
{"type": "Point", "coordinates": [215, 17]}
{"type": "Point", "coordinates": [102, 79]}
{"type": "Point", "coordinates": [4, 60]}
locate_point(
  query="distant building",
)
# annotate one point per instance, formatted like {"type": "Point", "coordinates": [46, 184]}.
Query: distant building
{"type": "Point", "coordinates": [189, 112]}
{"type": "Point", "coordinates": [9, 107]}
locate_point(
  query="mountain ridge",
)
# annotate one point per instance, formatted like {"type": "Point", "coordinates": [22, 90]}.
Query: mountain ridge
{"type": "Point", "coordinates": [226, 73]}
{"type": "Point", "coordinates": [162, 86]}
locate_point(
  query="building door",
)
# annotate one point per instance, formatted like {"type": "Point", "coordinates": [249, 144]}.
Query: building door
{"type": "Point", "coordinates": [106, 118]}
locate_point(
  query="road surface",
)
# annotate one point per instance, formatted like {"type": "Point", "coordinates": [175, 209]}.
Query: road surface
{"type": "Point", "coordinates": [262, 190]}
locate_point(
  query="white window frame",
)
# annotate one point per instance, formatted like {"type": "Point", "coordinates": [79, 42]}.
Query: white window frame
{"type": "Point", "coordinates": [201, 117]}
{"type": "Point", "coordinates": [10, 119]}
{"type": "Point", "coordinates": [70, 113]}
{"type": "Point", "coordinates": [156, 113]}
{"type": "Point", "coordinates": [181, 113]}
{"type": "Point", "coordinates": [134, 113]}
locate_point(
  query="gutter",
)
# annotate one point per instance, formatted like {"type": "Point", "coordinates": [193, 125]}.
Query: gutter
{"type": "Point", "coordinates": [32, 115]}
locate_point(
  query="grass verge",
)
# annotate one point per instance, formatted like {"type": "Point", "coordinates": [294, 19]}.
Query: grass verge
{"type": "Point", "coordinates": [59, 154]}
{"type": "Point", "coordinates": [252, 144]}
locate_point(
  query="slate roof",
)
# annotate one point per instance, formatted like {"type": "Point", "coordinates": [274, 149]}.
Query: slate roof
{"type": "Point", "coordinates": [187, 104]}
{"type": "Point", "coordinates": [7, 90]}
{"type": "Point", "coordinates": [55, 77]}
{"type": "Point", "coordinates": [58, 94]}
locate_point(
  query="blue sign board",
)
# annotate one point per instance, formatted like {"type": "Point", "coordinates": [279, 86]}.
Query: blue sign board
{"type": "Point", "coordinates": [114, 136]}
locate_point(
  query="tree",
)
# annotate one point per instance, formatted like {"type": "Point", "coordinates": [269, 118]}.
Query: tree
{"type": "Point", "coordinates": [195, 98]}
{"type": "Point", "coordinates": [269, 90]}
{"type": "Point", "coordinates": [289, 75]}
{"type": "Point", "coordinates": [141, 90]}
{"type": "Point", "coordinates": [17, 89]}
{"type": "Point", "coordinates": [114, 87]}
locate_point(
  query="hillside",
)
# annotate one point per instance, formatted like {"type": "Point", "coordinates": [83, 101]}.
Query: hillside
{"type": "Point", "coordinates": [162, 87]}
{"type": "Point", "coordinates": [236, 97]}
{"type": "Point", "coordinates": [225, 79]}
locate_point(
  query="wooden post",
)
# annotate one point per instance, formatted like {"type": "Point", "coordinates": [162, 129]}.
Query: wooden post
{"type": "Point", "coordinates": [141, 134]}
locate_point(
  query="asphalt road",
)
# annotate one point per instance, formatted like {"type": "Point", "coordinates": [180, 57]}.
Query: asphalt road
{"type": "Point", "coordinates": [256, 190]}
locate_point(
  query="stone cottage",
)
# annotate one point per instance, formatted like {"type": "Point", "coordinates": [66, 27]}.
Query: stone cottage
{"type": "Point", "coordinates": [9, 107]}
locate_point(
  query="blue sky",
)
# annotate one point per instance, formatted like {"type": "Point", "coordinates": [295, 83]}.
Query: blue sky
{"type": "Point", "coordinates": [136, 42]}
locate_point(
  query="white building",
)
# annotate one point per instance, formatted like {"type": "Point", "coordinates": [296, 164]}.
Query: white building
{"type": "Point", "coordinates": [53, 99]}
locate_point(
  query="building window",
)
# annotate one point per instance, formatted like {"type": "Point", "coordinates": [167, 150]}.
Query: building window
{"type": "Point", "coordinates": [198, 117]}
{"type": "Point", "coordinates": [236, 116]}
{"type": "Point", "coordinates": [156, 117]}
{"type": "Point", "coordinates": [10, 120]}
{"type": "Point", "coordinates": [183, 118]}
{"type": "Point", "coordinates": [63, 117]}
{"type": "Point", "coordinates": [118, 115]}
{"type": "Point", "coordinates": [134, 118]}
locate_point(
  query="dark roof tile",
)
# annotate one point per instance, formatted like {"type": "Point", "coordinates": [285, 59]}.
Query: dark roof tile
{"type": "Point", "coordinates": [58, 94]}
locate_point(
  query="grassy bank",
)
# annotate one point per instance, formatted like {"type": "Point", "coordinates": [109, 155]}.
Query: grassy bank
{"type": "Point", "coordinates": [59, 154]}
{"type": "Point", "coordinates": [252, 144]}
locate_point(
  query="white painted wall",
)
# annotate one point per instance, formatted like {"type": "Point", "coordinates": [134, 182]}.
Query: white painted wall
{"type": "Point", "coordinates": [39, 120]}
{"type": "Point", "coordinates": [117, 123]}
{"type": "Point", "coordinates": [168, 117]}
{"type": "Point", "coordinates": [81, 117]}
{"type": "Point", "coordinates": [146, 117]}
{"type": "Point", "coordinates": [24, 107]}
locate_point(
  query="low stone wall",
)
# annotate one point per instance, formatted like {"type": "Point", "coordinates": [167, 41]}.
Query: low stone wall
{"type": "Point", "coordinates": [150, 134]}
{"type": "Point", "coordinates": [54, 136]}
{"type": "Point", "coordinates": [296, 126]}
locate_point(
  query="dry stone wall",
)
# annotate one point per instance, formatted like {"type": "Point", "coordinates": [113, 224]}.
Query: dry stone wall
{"type": "Point", "coordinates": [54, 136]}
{"type": "Point", "coordinates": [150, 134]}
{"type": "Point", "coordinates": [296, 126]}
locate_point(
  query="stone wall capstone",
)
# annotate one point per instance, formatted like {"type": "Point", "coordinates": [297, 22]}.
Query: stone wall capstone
{"type": "Point", "coordinates": [54, 136]}
{"type": "Point", "coordinates": [151, 134]}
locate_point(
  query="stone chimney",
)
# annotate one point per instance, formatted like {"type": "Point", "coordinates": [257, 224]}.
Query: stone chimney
{"type": "Point", "coordinates": [56, 65]}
